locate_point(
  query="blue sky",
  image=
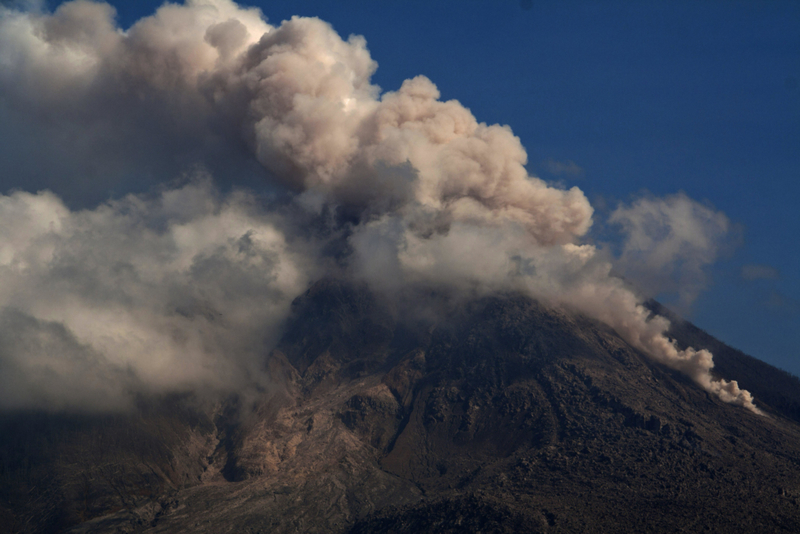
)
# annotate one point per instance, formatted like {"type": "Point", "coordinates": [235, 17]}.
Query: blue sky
{"type": "Point", "coordinates": [624, 99]}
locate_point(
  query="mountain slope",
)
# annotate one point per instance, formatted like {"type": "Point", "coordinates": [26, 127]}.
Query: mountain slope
{"type": "Point", "coordinates": [774, 387]}
{"type": "Point", "coordinates": [501, 415]}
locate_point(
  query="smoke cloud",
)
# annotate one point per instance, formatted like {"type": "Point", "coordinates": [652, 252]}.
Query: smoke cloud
{"type": "Point", "coordinates": [669, 242]}
{"type": "Point", "coordinates": [154, 294]}
{"type": "Point", "coordinates": [189, 286]}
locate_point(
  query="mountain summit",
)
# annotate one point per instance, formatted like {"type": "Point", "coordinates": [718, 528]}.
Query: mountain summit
{"type": "Point", "coordinates": [497, 415]}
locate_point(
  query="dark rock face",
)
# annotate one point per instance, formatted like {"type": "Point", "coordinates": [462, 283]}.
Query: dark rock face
{"type": "Point", "coordinates": [57, 470]}
{"type": "Point", "coordinates": [499, 416]}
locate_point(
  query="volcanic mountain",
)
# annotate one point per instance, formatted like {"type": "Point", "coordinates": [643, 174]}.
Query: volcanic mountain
{"type": "Point", "coordinates": [499, 414]}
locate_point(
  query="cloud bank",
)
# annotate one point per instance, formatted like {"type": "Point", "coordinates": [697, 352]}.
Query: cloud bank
{"type": "Point", "coordinates": [188, 287]}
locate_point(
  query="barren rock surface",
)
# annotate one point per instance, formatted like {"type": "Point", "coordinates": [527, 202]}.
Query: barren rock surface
{"type": "Point", "coordinates": [500, 416]}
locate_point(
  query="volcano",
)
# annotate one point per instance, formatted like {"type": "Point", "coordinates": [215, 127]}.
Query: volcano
{"type": "Point", "coordinates": [499, 414]}
{"type": "Point", "coordinates": [244, 288]}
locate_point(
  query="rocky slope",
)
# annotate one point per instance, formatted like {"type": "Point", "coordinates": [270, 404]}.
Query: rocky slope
{"type": "Point", "coordinates": [501, 415]}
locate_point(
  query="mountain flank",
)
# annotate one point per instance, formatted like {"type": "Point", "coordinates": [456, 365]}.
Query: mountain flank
{"type": "Point", "coordinates": [498, 415]}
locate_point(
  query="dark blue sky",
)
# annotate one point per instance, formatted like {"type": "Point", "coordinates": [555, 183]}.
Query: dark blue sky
{"type": "Point", "coordinates": [646, 96]}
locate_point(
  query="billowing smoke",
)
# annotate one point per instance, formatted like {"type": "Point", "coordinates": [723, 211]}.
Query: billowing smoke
{"type": "Point", "coordinates": [161, 293]}
{"type": "Point", "coordinates": [190, 286]}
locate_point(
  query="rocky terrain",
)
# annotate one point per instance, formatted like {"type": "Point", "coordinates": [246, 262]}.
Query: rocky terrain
{"type": "Point", "coordinates": [499, 415]}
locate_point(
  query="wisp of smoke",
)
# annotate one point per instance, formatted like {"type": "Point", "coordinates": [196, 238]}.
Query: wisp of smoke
{"type": "Point", "coordinates": [668, 244]}
{"type": "Point", "coordinates": [190, 287]}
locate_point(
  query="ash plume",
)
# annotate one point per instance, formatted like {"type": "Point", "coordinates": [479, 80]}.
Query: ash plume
{"type": "Point", "coordinates": [190, 286]}
{"type": "Point", "coordinates": [184, 289]}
